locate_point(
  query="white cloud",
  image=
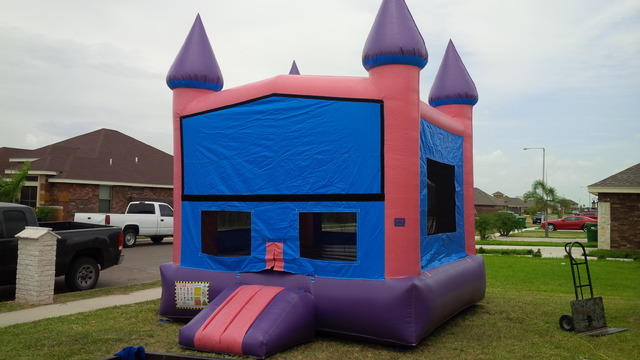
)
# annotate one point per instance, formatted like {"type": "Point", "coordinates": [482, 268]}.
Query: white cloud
{"type": "Point", "coordinates": [559, 74]}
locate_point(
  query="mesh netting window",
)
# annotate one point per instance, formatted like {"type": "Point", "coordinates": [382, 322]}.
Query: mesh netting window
{"type": "Point", "coordinates": [226, 233]}
{"type": "Point", "coordinates": [441, 198]}
{"type": "Point", "coordinates": [328, 235]}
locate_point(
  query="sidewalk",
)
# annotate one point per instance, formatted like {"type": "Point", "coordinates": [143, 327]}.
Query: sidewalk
{"type": "Point", "coordinates": [74, 307]}
{"type": "Point", "coordinates": [546, 251]}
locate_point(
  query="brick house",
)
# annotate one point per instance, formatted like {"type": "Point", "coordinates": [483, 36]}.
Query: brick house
{"type": "Point", "coordinates": [485, 203]}
{"type": "Point", "coordinates": [101, 171]}
{"type": "Point", "coordinates": [619, 209]}
{"type": "Point", "coordinates": [513, 204]}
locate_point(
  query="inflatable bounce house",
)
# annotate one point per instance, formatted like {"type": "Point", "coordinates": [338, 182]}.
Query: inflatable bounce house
{"type": "Point", "coordinates": [320, 203]}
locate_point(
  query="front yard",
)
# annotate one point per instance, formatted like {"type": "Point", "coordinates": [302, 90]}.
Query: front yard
{"type": "Point", "coordinates": [518, 319]}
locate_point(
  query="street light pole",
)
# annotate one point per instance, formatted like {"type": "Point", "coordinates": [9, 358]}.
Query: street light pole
{"type": "Point", "coordinates": [544, 180]}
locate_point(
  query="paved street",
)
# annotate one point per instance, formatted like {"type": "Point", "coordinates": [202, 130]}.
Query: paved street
{"type": "Point", "coordinates": [140, 265]}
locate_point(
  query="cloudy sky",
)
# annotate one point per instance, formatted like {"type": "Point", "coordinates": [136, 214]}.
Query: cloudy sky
{"type": "Point", "coordinates": [560, 74]}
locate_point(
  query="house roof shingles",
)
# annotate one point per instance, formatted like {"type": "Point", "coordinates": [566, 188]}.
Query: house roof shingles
{"type": "Point", "coordinates": [103, 155]}
{"type": "Point", "coordinates": [628, 178]}
{"type": "Point", "coordinates": [482, 198]}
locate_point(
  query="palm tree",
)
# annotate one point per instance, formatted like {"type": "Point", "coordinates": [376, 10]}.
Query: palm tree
{"type": "Point", "coordinates": [10, 189]}
{"type": "Point", "coordinates": [544, 197]}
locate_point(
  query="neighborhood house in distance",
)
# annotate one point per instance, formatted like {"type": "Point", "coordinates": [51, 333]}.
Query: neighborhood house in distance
{"type": "Point", "coordinates": [101, 171]}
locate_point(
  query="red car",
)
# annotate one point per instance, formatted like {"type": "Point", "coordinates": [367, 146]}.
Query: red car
{"type": "Point", "coordinates": [568, 223]}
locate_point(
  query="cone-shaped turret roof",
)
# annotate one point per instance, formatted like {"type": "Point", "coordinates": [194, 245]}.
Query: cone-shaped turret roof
{"type": "Point", "coordinates": [394, 38]}
{"type": "Point", "coordinates": [294, 69]}
{"type": "Point", "coordinates": [453, 85]}
{"type": "Point", "coordinates": [195, 66]}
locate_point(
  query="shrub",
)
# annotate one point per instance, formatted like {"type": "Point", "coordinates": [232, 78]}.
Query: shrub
{"type": "Point", "coordinates": [482, 250]}
{"type": "Point", "coordinates": [505, 223]}
{"type": "Point", "coordinates": [45, 213]}
{"type": "Point", "coordinates": [485, 226]}
{"type": "Point", "coordinates": [620, 254]}
{"type": "Point", "coordinates": [538, 253]}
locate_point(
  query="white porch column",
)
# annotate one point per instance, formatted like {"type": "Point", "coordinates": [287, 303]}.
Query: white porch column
{"type": "Point", "coordinates": [604, 225]}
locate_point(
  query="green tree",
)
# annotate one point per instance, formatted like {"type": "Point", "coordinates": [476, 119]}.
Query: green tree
{"type": "Point", "coordinates": [564, 205]}
{"type": "Point", "coordinates": [10, 189]}
{"type": "Point", "coordinates": [544, 197]}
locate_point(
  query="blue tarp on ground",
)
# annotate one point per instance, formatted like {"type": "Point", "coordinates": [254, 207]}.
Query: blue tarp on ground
{"type": "Point", "coordinates": [442, 146]}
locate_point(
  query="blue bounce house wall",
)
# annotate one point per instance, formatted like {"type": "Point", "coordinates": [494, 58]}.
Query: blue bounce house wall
{"type": "Point", "coordinates": [276, 157]}
{"type": "Point", "coordinates": [442, 146]}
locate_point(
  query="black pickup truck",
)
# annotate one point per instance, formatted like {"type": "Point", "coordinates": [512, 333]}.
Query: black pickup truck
{"type": "Point", "coordinates": [82, 250]}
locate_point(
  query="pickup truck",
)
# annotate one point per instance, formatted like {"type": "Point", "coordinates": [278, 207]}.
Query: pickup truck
{"type": "Point", "coordinates": [142, 218]}
{"type": "Point", "coordinates": [81, 252]}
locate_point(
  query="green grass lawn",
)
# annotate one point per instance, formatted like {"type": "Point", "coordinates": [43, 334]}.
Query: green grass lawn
{"type": "Point", "coordinates": [517, 320]}
{"type": "Point", "coordinates": [560, 234]}
{"type": "Point", "coordinates": [79, 295]}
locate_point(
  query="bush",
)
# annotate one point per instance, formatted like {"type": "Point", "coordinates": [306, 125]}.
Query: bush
{"type": "Point", "coordinates": [485, 226]}
{"type": "Point", "coordinates": [505, 223]}
{"type": "Point", "coordinates": [538, 253]}
{"type": "Point", "coordinates": [45, 213]}
{"type": "Point", "coordinates": [620, 254]}
{"type": "Point", "coordinates": [482, 250]}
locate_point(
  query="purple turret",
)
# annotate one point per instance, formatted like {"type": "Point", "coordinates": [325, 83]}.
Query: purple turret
{"type": "Point", "coordinates": [394, 38]}
{"type": "Point", "coordinates": [195, 67]}
{"type": "Point", "coordinates": [453, 85]}
{"type": "Point", "coordinates": [294, 69]}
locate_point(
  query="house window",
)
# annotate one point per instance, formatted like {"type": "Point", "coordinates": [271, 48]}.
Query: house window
{"type": "Point", "coordinates": [441, 198]}
{"type": "Point", "coordinates": [328, 235]}
{"type": "Point", "coordinates": [104, 199]}
{"type": "Point", "coordinates": [226, 233]}
{"type": "Point", "coordinates": [29, 196]}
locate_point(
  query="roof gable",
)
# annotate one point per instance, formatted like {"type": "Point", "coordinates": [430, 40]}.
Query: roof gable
{"type": "Point", "coordinates": [103, 155]}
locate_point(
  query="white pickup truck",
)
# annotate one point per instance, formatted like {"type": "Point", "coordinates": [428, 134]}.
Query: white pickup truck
{"type": "Point", "coordinates": [142, 218]}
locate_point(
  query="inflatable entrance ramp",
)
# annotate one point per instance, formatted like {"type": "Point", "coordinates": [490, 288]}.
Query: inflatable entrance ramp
{"type": "Point", "coordinates": [252, 320]}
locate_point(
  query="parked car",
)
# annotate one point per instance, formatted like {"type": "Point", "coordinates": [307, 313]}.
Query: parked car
{"type": "Point", "coordinates": [537, 218]}
{"type": "Point", "coordinates": [142, 218]}
{"type": "Point", "coordinates": [569, 223]}
{"type": "Point", "coordinates": [82, 251]}
{"type": "Point", "coordinates": [590, 213]}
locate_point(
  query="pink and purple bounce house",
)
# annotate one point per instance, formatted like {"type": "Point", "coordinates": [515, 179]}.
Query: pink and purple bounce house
{"type": "Point", "coordinates": [320, 203]}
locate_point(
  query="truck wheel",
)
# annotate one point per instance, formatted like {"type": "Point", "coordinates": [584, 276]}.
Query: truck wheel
{"type": "Point", "coordinates": [157, 239]}
{"type": "Point", "coordinates": [130, 237]}
{"type": "Point", "coordinates": [83, 274]}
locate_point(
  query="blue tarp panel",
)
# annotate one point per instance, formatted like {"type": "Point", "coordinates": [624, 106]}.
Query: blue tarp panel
{"type": "Point", "coordinates": [284, 145]}
{"type": "Point", "coordinates": [278, 222]}
{"type": "Point", "coordinates": [442, 146]}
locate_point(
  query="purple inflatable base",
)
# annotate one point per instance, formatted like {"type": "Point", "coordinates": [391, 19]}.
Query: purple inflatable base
{"type": "Point", "coordinates": [394, 311]}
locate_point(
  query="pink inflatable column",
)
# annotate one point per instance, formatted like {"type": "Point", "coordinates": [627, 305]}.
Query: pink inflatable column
{"type": "Point", "coordinates": [394, 55]}
{"type": "Point", "coordinates": [454, 93]}
{"type": "Point", "coordinates": [194, 73]}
